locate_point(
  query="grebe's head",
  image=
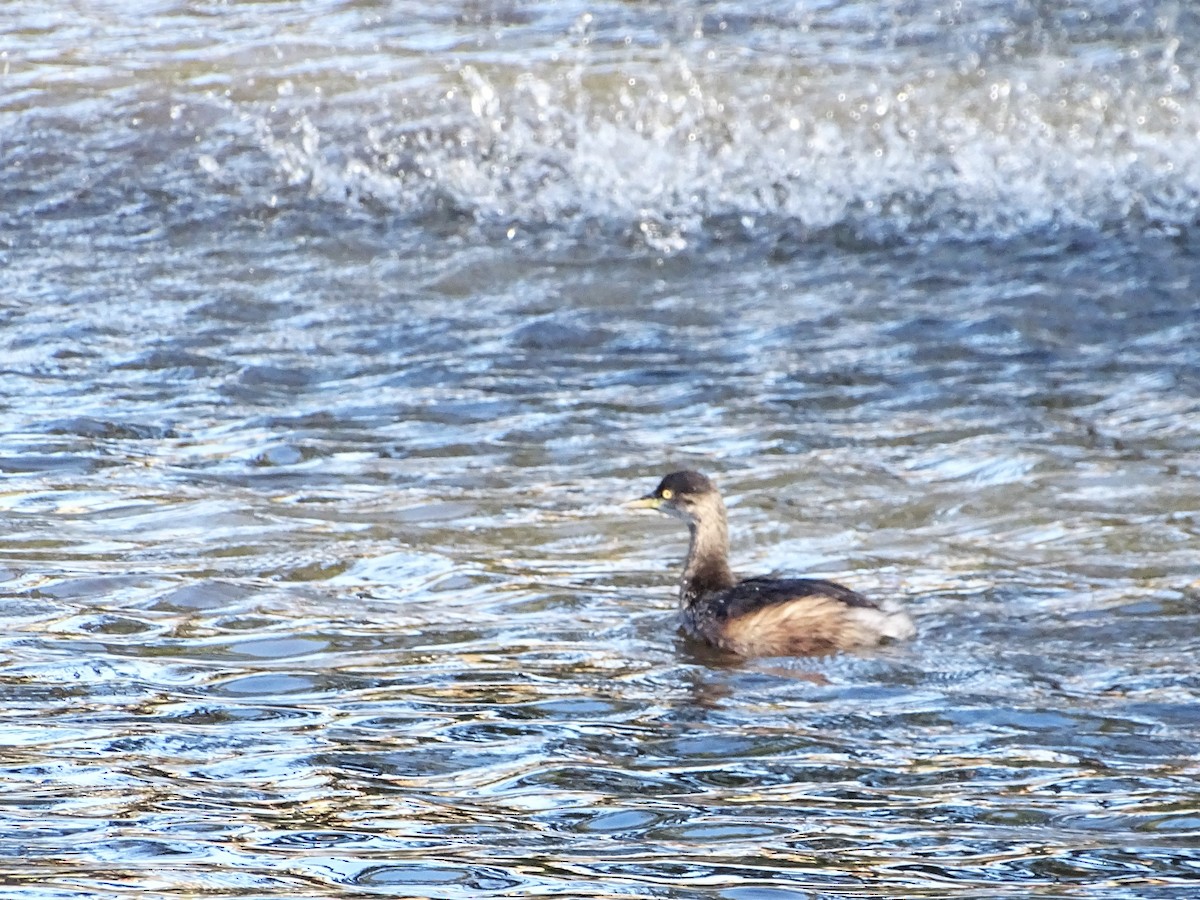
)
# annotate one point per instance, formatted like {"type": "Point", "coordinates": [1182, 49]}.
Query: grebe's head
{"type": "Point", "coordinates": [684, 495]}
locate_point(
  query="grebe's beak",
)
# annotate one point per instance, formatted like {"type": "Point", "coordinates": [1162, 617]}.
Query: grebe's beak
{"type": "Point", "coordinates": [647, 502]}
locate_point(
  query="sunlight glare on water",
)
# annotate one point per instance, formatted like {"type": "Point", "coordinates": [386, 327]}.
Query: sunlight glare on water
{"type": "Point", "coordinates": [336, 333]}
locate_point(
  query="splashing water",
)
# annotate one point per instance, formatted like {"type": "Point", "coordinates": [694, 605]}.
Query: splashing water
{"type": "Point", "coordinates": [696, 143]}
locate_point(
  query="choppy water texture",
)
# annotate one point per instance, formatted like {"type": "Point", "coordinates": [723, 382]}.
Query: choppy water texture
{"type": "Point", "coordinates": [334, 334]}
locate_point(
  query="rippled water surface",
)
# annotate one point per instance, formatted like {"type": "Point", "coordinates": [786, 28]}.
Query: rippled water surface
{"type": "Point", "coordinates": [334, 334]}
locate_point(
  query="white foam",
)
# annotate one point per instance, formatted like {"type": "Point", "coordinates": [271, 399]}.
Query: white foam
{"type": "Point", "coordinates": [670, 156]}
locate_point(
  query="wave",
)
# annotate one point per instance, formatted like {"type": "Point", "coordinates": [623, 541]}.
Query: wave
{"type": "Point", "coordinates": [670, 157]}
{"type": "Point", "coordinates": [742, 122]}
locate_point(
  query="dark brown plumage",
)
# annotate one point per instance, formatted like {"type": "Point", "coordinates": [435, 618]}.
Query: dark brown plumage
{"type": "Point", "coordinates": [760, 616]}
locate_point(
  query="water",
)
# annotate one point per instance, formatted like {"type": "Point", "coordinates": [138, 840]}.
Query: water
{"type": "Point", "coordinates": [335, 333]}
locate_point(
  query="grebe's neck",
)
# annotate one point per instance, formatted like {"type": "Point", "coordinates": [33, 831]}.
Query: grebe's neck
{"type": "Point", "coordinates": [707, 566]}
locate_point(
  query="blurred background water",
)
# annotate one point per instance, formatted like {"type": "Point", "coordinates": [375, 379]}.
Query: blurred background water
{"type": "Point", "coordinates": [334, 333]}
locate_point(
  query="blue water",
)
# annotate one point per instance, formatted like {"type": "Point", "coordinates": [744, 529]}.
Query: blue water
{"type": "Point", "coordinates": [335, 334]}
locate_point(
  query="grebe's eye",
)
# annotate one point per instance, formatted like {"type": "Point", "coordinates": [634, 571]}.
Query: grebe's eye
{"type": "Point", "coordinates": [667, 493]}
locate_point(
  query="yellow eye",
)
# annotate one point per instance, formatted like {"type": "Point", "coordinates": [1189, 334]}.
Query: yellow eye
{"type": "Point", "coordinates": [667, 493]}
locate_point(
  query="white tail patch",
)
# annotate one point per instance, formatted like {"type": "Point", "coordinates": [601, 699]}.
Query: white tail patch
{"type": "Point", "coordinates": [888, 622]}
